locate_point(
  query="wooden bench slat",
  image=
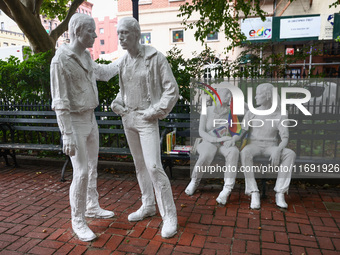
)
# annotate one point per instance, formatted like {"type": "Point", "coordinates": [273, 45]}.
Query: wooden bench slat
{"type": "Point", "coordinates": [27, 113]}
{"type": "Point", "coordinates": [26, 120]}
{"type": "Point", "coordinates": [30, 146]}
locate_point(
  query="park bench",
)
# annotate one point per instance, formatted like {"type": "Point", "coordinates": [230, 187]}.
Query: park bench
{"type": "Point", "coordinates": [38, 131]}
{"type": "Point", "coordinates": [315, 140]}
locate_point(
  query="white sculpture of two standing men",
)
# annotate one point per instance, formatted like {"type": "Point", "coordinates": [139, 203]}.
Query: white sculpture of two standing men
{"type": "Point", "coordinates": [148, 92]}
{"type": "Point", "coordinates": [212, 144]}
{"type": "Point", "coordinates": [74, 98]}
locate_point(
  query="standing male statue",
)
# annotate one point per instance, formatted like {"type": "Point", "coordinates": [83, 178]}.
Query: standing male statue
{"type": "Point", "coordinates": [74, 98]}
{"type": "Point", "coordinates": [263, 137]}
{"type": "Point", "coordinates": [148, 92]}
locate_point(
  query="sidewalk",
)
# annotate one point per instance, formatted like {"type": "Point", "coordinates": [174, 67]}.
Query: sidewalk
{"type": "Point", "coordinates": [35, 218]}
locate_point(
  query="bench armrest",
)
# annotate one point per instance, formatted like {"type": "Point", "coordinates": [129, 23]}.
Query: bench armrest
{"type": "Point", "coordinates": [4, 127]}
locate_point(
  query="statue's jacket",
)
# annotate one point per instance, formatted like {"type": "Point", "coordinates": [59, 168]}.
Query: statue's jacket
{"type": "Point", "coordinates": [73, 80]}
{"type": "Point", "coordinates": [161, 84]}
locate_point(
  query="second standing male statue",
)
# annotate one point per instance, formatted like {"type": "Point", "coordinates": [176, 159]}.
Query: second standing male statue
{"type": "Point", "coordinates": [148, 92]}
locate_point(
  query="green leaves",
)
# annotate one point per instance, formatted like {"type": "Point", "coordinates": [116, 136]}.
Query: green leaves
{"type": "Point", "coordinates": [219, 15]}
{"type": "Point", "coordinates": [26, 80]}
{"type": "Point", "coordinates": [53, 9]}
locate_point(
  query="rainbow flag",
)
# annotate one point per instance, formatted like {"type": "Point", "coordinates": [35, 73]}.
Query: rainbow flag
{"type": "Point", "coordinates": [235, 129]}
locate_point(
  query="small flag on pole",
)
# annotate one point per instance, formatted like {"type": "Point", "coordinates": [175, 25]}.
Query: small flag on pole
{"type": "Point", "coordinates": [233, 122]}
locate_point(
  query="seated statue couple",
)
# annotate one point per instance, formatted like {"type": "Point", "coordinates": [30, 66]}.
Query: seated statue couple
{"type": "Point", "coordinates": [263, 140]}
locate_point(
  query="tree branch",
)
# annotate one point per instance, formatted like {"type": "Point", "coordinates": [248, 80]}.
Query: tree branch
{"type": "Point", "coordinates": [5, 9]}
{"type": "Point", "coordinates": [37, 6]}
{"type": "Point", "coordinates": [28, 22]}
{"type": "Point", "coordinates": [28, 4]}
{"type": "Point", "coordinates": [63, 26]}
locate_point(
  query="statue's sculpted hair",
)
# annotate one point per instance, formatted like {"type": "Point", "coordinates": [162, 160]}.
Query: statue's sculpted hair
{"type": "Point", "coordinates": [77, 22]}
{"type": "Point", "coordinates": [131, 23]}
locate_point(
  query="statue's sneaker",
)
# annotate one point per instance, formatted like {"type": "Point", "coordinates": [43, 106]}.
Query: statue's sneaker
{"type": "Point", "coordinates": [255, 201]}
{"type": "Point", "coordinates": [99, 213]}
{"type": "Point", "coordinates": [280, 200]}
{"type": "Point", "coordinates": [169, 228]}
{"type": "Point", "coordinates": [191, 188]}
{"type": "Point", "coordinates": [223, 196]}
{"type": "Point", "coordinates": [83, 232]}
{"type": "Point", "coordinates": [142, 212]}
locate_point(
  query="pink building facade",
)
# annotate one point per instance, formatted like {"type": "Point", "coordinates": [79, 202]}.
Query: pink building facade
{"type": "Point", "coordinates": [107, 40]}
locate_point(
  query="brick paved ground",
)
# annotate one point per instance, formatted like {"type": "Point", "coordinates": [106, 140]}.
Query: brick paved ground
{"type": "Point", "coordinates": [35, 219]}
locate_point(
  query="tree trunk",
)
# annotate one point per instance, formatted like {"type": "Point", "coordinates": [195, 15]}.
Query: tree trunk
{"type": "Point", "coordinates": [26, 14]}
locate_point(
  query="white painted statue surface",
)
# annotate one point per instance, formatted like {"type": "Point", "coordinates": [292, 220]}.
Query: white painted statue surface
{"type": "Point", "coordinates": [148, 92]}
{"type": "Point", "coordinates": [264, 141]}
{"type": "Point", "coordinates": [74, 98]}
{"type": "Point", "coordinates": [211, 145]}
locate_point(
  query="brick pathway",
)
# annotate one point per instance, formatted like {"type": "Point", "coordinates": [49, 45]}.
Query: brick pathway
{"type": "Point", "coordinates": [35, 219]}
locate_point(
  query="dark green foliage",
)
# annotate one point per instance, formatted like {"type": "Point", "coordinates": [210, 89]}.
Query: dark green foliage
{"type": "Point", "coordinates": [26, 80]}
{"type": "Point", "coordinates": [219, 15]}
{"type": "Point", "coordinates": [107, 90]}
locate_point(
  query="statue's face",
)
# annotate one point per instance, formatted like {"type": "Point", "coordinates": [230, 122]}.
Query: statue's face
{"type": "Point", "coordinates": [225, 96]}
{"type": "Point", "coordinates": [126, 37]}
{"type": "Point", "coordinates": [88, 34]}
{"type": "Point", "coordinates": [261, 95]}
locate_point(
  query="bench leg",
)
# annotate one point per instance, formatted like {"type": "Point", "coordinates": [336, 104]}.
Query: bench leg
{"type": "Point", "coordinates": [168, 163]}
{"type": "Point", "coordinates": [264, 188]}
{"type": "Point", "coordinates": [63, 170]}
{"type": "Point", "coordinates": [12, 154]}
{"type": "Point", "coordinates": [14, 158]}
{"type": "Point", "coordinates": [6, 159]}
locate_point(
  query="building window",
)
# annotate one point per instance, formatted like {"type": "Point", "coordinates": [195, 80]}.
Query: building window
{"type": "Point", "coordinates": [5, 44]}
{"type": "Point", "coordinates": [178, 36]}
{"type": "Point", "coordinates": [213, 36]}
{"type": "Point", "coordinates": [101, 30]}
{"type": "Point", "coordinates": [2, 26]}
{"type": "Point", "coordinates": [102, 42]}
{"type": "Point", "coordinates": [102, 52]}
{"type": "Point", "coordinates": [141, 2]}
{"type": "Point", "coordinates": [13, 44]}
{"type": "Point", "coordinates": [145, 38]}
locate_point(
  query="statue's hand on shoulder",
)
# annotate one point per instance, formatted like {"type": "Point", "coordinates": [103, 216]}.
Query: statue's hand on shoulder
{"type": "Point", "coordinates": [69, 144]}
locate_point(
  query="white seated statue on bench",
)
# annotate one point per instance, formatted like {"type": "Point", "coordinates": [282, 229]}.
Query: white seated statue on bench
{"type": "Point", "coordinates": [263, 140]}
{"type": "Point", "coordinates": [74, 98]}
{"type": "Point", "coordinates": [211, 145]}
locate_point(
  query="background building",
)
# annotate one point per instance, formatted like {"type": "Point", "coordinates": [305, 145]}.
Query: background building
{"type": "Point", "coordinates": [300, 28]}
{"type": "Point", "coordinates": [10, 34]}
{"type": "Point", "coordinates": [162, 29]}
{"type": "Point", "coordinates": [107, 40]}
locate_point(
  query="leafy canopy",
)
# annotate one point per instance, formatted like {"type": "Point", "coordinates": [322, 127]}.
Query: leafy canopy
{"type": "Point", "coordinates": [55, 9]}
{"type": "Point", "coordinates": [220, 15]}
